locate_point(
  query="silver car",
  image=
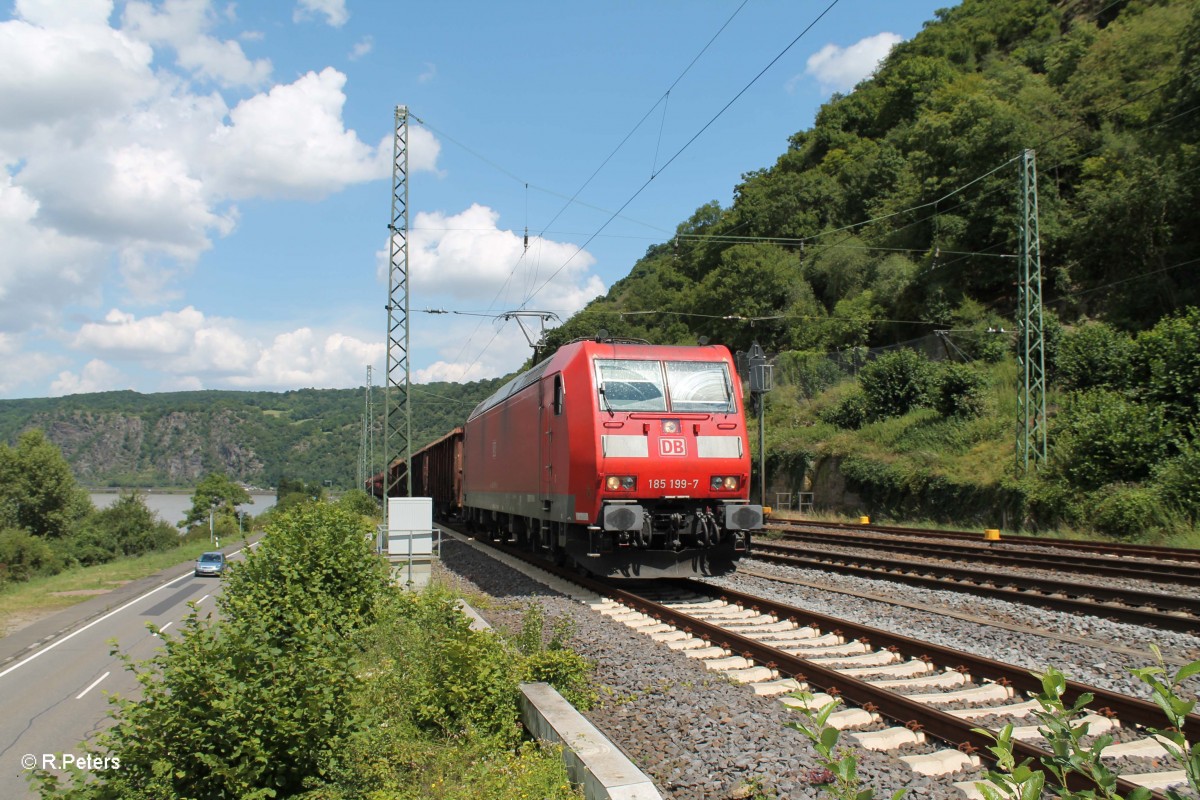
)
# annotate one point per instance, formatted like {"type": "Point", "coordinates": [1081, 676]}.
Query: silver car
{"type": "Point", "coordinates": [210, 564]}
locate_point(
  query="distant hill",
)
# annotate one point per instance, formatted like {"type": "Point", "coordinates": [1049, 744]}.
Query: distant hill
{"type": "Point", "coordinates": [173, 439]}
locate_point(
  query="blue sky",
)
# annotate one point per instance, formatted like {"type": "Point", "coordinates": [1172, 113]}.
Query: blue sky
{"type": "Point", "coordinates": [196, 193]}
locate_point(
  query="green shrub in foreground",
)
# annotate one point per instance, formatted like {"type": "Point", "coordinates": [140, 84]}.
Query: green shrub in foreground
{"type": "Point", "coordinates": [1078, 755]}
{"type": "Point", "coordinates": [322, 681]}
{"type": "Point", "coordinates": [438, 710]}
{"type": "Point", "coordinates": [257, 704]}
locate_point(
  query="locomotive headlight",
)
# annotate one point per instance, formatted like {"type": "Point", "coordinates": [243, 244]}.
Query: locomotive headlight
{"type": "Point", "coordinates": [619, 483]}
{"type": "Point", "coordinates": [725, 483]}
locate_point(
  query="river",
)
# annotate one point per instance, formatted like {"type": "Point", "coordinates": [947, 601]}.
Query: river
{"type": "Point", "coordinates": [172, 507]}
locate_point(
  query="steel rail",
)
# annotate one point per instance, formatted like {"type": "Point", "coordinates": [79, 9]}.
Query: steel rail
{"type": "Point", "coordinates": [913, 714]}
{"type": "Point", "coordinates": [1114, 548]}
{"type": "Point", "coordinates": [990, 553]}
{"type": "Point", "coordinates": [1059, 595]}
{"type": "Point", "coordinates": [1128, 709]}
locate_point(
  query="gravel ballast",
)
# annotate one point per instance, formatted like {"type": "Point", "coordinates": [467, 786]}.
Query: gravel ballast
{"type": "Point", "coordinates": [694, 733]}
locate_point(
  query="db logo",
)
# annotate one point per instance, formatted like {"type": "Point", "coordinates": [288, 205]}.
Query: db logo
{"type": "Point", "coordinates": [672, 447]}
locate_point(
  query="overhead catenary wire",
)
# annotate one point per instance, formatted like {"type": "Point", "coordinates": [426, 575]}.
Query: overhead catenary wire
{"type": "Point", "coordinates": [960, 255]}
{"type": "Point", "coordinates": [685, 146]}
{"type": "Point", "coordinates": [574, 198]}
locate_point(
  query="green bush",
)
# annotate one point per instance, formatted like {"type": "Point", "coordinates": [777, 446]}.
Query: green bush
{"type": "Point", "coordinates": [38, 491]}
{"type": "Point", "coordinates": [896, 383]}
{"type": "Point", "coordinates": [1168, 365]}
{"type": "Point", "coordinates": [256, 704]}
{"type": "Point", "coordinates": [810, 372]}
{"type": "Point", "coordinates": [1101, 438]}
{"type": "Point", "coordinates": [126, 528]}
{"type": "Point", "coordinates": [1049, 502]}
{"type": "Point", "coordinates": [851, 413]}
{"type": "Point", "coordinates": [439, 710]}
{"type": "Point", "coordinates": [456, 681]}
{"type": "Point", "coordinates": [1095, 356]}
{"type": "Point", "coordinates": [357, 501]}
{"type": "Point", "coordinates": [1127, 511]}
{"type": "Point", "coordinates": [959, 391]}
{"type": "Point", "coordinates": [23, 556]}
{"type": "Point", "coordinates": [1178, 480]}
{"type": "Point", "coordinates": [989, 342]}
{"type": "Point", "coordinates": [551, 661]}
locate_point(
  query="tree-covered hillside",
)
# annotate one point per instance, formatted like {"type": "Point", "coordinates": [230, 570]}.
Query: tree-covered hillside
{"type": "Point", "coordinates": [897, 213]}
{"type": "Point", "coordinates": [174, 439]}
{"type": "Point", "coordinates": [896, 219]}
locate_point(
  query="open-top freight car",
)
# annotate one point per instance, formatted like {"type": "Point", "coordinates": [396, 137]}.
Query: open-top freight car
{"type": "Point", "coordinates": [437, 473]}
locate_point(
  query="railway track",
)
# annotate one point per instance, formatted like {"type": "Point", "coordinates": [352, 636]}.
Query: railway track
{"type": "Point", "coordinates": [1156, 610]}
{"type": "Point", "coordinates": [1008, 553]}
{"type": "Point", "coordinates": [1167, 554]}
{"type": "Point", "coordinates": [1174, 660]}
{"type": "Point", "coordinates": [779, 649]}
{"type": "Point", "coordinates": [916, 700]}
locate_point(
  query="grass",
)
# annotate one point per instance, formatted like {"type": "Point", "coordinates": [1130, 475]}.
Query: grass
{"type": "Point", "coordinates": [23, 602]}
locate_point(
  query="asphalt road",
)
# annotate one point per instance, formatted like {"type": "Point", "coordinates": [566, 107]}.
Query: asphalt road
{"type": "Point", "coordinates": [54, 691]}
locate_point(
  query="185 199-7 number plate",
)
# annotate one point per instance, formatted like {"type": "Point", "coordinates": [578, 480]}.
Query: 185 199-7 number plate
{"type": "Point", "coordinates": [674, 483]}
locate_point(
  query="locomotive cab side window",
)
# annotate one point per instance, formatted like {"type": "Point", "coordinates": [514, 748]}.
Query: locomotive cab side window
{"type": "Point", "coordinates": [558, 395]}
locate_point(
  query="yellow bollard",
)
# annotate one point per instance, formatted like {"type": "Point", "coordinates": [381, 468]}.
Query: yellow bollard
{"type": "Point", "coordinates": [767, 511]}
{"type": "Point", "coordinates": [864, 520]}
{"type": "Point", "coordinates": [992, 535]}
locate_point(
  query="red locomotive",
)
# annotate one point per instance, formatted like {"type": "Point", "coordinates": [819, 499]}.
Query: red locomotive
{"type": "Point", "coordinates": [630, 460]}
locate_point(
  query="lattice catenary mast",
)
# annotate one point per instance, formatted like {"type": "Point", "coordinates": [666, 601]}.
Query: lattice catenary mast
{"type": "Point", "coordinates": [1031, 343]}
{"type": "Point", "coordinates": [397, 429]}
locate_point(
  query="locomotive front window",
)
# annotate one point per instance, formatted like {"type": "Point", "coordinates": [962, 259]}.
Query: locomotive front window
{"type": "Point", "coordinates": [701, 386]}
{"type": "Point", "coordinates": [630, 385]}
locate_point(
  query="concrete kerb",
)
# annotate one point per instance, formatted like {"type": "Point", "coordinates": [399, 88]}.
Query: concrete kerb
{"type": "Point", "coordinates": [593, 761]}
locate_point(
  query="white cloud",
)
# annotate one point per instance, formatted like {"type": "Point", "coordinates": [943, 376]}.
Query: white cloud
{"type": "Point", "coordinates": [334, 11]}
{"type": "Point", "coordinates": [428, 73]}
{"type": "Point", "coordinates": [183, 25]}
{"type": "Point", "coordinates": [191, 349]}
{"type": "Point", "coordinates": [468, 257]}
{"type": "Point", "coordinates": [125, 335]}
{"type": "Point", "coordinates": [36, 368]}
{"type": "Point", "coordinates": [60, 14]}
{"type": "Point", "coordinates": [452, 373]}
{"type": "Point", "coordinates": [40, 268]}
{"type": "Point", "coordinates": [465, 262]}
{"type": "Point", "coordinates": [304, 358]}
{"type": "Point", "coordinates": [839, 69]}
{"type": "Point", "coordinates": [96, 376]}
{"type": "Point", "coordinates": [291, 142]}
{"type": "Point", "coordinates": [362, 47]}
{"type": "Point", "coordinates": [113, 158]}
{"type": "Point", "coordinates": [76, 72]}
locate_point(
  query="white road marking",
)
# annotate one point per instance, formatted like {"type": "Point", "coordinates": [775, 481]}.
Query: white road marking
{"type": "Point", "coordinates": [73, 634]}
{"type": "Point", "coordinates": [164, 627]}
{"type": "Point", "coordinates": [202, 599]}
{"type": "Point", "coordinates": [93, 686]}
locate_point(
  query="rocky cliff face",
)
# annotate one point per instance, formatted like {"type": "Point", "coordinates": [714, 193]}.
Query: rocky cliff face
{"type": "Point", "coordinates": [178, 448]}
{"type": "Point", "coordinates": [176, 438]}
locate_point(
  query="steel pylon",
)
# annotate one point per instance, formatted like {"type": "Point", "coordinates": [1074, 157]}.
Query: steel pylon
{"type": "Point", "coordinates": [397, 429]}
{"type": "Point", "coordinates": [1031, 342]}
